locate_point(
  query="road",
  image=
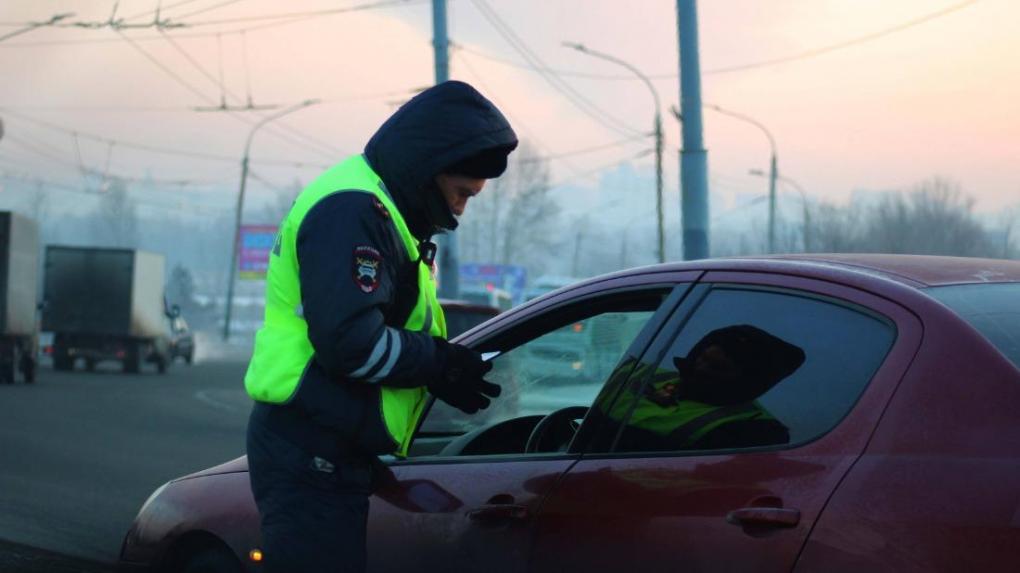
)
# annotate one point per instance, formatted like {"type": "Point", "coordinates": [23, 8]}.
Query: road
{"type": "Point", "coordinates": [83, 450]}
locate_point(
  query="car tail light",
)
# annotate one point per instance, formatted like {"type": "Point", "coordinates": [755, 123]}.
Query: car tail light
{"type": "Point", "coordinates": [255, 555]}
{"type": "Point", "coordinates": [120, 354]}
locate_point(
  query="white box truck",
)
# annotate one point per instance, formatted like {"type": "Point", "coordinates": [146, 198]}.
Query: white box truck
{"type": "Point", "coordinates": [106, 304]}
{"type": "Point", "coordinates": [19, 328]}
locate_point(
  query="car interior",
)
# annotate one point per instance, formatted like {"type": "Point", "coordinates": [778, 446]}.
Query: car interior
{"type": "Point", "coordinates": [551, 368]}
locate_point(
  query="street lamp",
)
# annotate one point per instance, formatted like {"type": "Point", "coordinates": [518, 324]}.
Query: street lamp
{"type": "Point", "coordinates": [658, 134]}
{"type": "Point", "coordinates": [772, 169]}
{"type": "Point", "coordinates": [803, 199]}
{"type": "Point", "coordinates": [240, 204]}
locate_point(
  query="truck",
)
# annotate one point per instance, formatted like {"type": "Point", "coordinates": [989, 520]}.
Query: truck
{"type": "Point", "coordinates": [19, 327]}
{"type": "Point", "coordinates": [106, 304]}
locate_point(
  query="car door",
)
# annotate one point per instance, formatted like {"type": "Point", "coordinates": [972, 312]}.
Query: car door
{"type": "Point", "coordinates": [709, 464]}
{"type": "Point", "coordinates": [466, 496]}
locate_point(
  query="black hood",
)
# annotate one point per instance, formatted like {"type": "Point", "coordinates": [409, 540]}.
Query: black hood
{"type": "Point", "coordinates": [436, 129]}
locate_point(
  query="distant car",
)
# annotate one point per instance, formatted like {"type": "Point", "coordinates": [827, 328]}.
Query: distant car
{"type": "Point", "coordinates": [801, 413]}
{"type": "Point", "coordinates": [182, 342]}
{"type": "Point", "coordinates": [462, 316]}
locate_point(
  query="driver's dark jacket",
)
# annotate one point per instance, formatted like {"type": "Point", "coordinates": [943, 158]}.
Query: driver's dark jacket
{"type": "Point", "coordinates": [333, 413]}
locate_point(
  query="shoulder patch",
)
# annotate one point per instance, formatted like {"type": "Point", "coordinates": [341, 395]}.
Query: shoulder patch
{"type": "Point", "coordinates": [367, 265]}
{"type": "Point", "coordinates": [381, 208]}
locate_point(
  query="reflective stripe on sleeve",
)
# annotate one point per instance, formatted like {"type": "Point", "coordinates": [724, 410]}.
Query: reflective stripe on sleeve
{"type": "Point", "coordinates": [394, 355]}
{"type": "Point", "coordinates": [376, 355]}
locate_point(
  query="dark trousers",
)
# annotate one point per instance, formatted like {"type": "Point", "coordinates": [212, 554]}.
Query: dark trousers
{"type": "Point", "coordinates": [313, 511]}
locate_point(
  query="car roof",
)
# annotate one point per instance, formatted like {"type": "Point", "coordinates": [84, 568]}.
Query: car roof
{"type": "Point", "coordinates": [917, 271]}
{"type": "Point", "coordinates": [922, 270]}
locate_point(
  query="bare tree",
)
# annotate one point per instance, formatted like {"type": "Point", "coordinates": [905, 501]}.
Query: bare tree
{"type": "Point", "coordinates": [116, 218]}
{"type": "Point", "coordinates": [515, 220]}
{"type": "Point", "coordinates": [935, 218]}
{"type": "Point", "coordinates": [835, 229]}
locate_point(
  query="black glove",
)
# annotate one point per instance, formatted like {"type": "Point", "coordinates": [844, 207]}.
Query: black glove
{"type": "Point", "coordinates": [460, 382]}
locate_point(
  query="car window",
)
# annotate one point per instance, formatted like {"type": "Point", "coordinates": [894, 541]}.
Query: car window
{"type": "Point", "coordinates": [993, 309]}
{"type": "Point", "coordinates": [557, 360]}
{"type": "Point", "coordinates": [751, 368]}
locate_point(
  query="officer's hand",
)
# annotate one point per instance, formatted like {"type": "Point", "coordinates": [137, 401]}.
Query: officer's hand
{"type": "Point", "coordinates": [461, 381]}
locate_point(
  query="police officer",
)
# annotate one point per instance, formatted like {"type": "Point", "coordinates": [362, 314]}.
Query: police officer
{"type": "Point", "coordinates": [354, 336]}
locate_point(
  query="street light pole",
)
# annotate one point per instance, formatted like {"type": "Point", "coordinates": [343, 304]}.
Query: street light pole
{"type": "Point", "coordinates": [657, 133]}
{"type": "Point", "coordinates": [240, 205]}
{"type": "Point", "coordinates": [804, 204]}
{"type": "Point", "coordinates": [773, 170]}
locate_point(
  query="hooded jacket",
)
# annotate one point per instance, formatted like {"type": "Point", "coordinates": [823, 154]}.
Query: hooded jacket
{"type": "Point", "coordinates": [355, 327]}
{"type": "Point", "coordinates": [436, 129]}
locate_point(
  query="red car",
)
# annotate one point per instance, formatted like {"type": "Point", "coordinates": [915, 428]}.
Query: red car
{"type": "Point", "coordinates": [805, 413]}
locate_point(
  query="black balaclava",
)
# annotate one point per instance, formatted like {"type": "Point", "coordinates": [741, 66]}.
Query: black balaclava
{"type": "Point", "coordinates": [448, 128]}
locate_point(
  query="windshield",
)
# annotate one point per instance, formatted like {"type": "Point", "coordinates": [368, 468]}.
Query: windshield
{"type": "Point", "coordinates": [993, 309]}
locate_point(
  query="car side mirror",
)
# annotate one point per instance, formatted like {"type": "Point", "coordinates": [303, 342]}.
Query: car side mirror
{"type": "Point", "coordinates": [175, 311]}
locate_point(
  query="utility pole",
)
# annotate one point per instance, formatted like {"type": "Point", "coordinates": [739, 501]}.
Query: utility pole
{"type": "Point", "coordinates": [772, 204]}
{"type": "Point", "coordinates": [240, 207]}
{"type": "Point", "coordinates": [693, 157]}
{"type": "Point", "coordinates": [449, 263]}
{"type": "Point", "coordinates": [657, 131]}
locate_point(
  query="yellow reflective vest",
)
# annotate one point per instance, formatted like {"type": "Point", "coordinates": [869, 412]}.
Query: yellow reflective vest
{"type": "Point", "coordinates": [282, 348]}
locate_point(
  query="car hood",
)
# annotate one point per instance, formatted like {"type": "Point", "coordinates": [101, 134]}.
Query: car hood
{"type": "Point", "coordinates": [233, 466]}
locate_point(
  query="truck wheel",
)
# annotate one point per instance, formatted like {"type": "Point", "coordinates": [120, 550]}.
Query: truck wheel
{"type": "Point", "coordinates": [7, 370]}
{"type": "Point", "coordinates": [61, 361]}
{"type": "Point", "coordinates": [27, 368]}
{"type": "Point", "coordinates": [133, 359]}
{"type": "Point", "coordinates": [189, 357]}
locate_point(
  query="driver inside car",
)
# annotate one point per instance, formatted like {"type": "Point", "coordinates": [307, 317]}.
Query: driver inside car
{"type": "Point", "coordinates": [709, 401]}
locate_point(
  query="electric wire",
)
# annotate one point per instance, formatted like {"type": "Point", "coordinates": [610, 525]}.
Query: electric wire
{"type": "Point", "coordinates": [576, 98]}
{"type": "Point", "coordinates": [321, 147]}
{"type": "Point", "coordinates": [324, 148]}
{"type": "Point", "coordinates": [201, 95]}
{"type": "Point", "coordinates": [293, 18]}
{"type": "Point", "coordinates": [161, 150]}
{"type": "Point", "coordinates": [600, 169]}
{"type": "Point", "coordinates": [814, 52]}
{"type": "Point", "coordinates": [159, 8]}
{"type": "Point", "coordinates": [206, 9]}
{"type": "Point", "coordinates": [313, 13]}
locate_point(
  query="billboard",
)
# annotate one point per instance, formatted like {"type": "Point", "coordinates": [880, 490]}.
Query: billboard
{"type": "Point", "coordinates": [255, 244]}
{"type": "Point", "coordinates": [510, 278]}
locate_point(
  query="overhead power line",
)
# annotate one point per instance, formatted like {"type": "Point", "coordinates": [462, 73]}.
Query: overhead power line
{"type": "Point", "coordinates": [202, 96]}
{"type": "Point", "coordinates": [602, 168]}
{"type": "Point", "coordinates": [102, 174]}
{"type": "Point", "coordinates": [158, 149]}
{"type": "Point", "coordinates": [275, 21]}
{"type": "Point", "coordinates": [841, 45]}
{"type": "Point", "coordinates": [159, 9]}
{"type": "Point", "coordinates": [206, 9]}
{"type": "Point", "coordinates": [309, 14]}
{"type": "Point", "coordinates": [573, 96]}
{"type": "Point", "coordinates": [584, 150]}
{"type": "Point", "coordinates": [814, 52]}
{"type": "Point", "coordinates": [29, 26]}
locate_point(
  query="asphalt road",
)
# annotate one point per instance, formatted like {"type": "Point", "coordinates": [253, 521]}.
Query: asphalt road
{"type": "Point", "coordinates": [81, 451]}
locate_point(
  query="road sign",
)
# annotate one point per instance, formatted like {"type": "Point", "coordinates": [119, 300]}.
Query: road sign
{"type": "Point", "coordinates": [256, 244]}
{"type": "Point", "coordinates": [510, 278]}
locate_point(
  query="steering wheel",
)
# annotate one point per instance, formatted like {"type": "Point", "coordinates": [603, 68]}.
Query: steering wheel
{"type": "Point", "coordinates": [555, 430]}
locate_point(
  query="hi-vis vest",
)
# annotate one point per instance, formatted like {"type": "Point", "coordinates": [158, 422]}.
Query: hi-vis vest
{"type": "Point", "coordinates": [282, 349]}
{"type": "Point", "coordinates": [684, 422]}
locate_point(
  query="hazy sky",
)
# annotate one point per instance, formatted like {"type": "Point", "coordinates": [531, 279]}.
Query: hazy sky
{"type": "Point", "coordinates": [938, 98]}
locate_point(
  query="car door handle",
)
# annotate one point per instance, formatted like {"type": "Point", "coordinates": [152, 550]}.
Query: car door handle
{"type": "Point", "coordinates": [500, 508]}
{"type": "Point", "coordinates": [768, 516]}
